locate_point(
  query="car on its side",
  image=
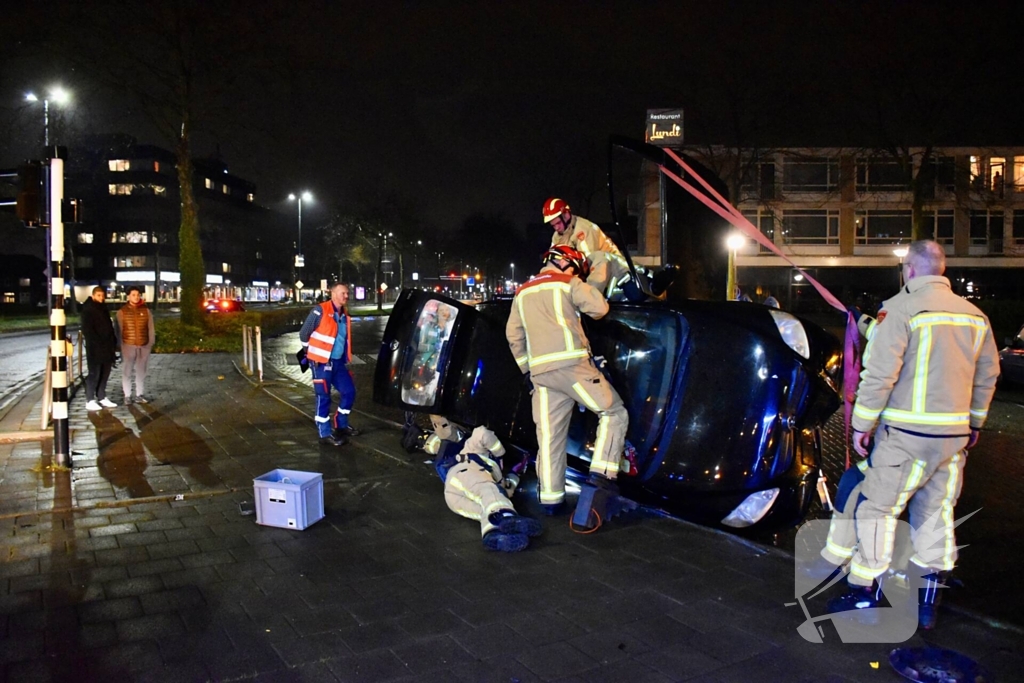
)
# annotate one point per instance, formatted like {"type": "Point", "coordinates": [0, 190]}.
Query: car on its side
{"type": "Point", "coordinates": [726, 399]}
{"type": "Point", "coordinates": [1011, 360]}
{"type": "Point", "coordinates": [224, 306]}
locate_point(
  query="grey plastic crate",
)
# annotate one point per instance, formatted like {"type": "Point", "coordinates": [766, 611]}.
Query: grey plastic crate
{"type": "Point", "coordinates": [289, 499]}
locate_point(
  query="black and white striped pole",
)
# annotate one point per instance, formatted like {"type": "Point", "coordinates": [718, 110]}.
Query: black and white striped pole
{"type": "Point", "coordinates": [58, 321]}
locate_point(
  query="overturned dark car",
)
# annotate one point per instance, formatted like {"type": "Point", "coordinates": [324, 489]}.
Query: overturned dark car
{"type": "Point", "coordinates": [726, 399]}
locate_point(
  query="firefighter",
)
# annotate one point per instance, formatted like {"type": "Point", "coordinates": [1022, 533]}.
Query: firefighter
{"type": "Point", "coordinates": [607, 265]}
{"type": "Point", "coordinates": [326, 336]}
{"type": "Point", "coordinates": [476, 487]}
{"type": "Point", "coordinates": [548, 343]}
{"type": "Point", "coordinates": [930, 369]}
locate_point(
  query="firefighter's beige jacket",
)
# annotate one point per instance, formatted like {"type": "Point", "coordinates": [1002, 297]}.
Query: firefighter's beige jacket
{"type": "Point", "coordinates": [585, 236]}
{"type": "Point", "coordinates": [930, 364]}
{"type": "Point", "coordinates": [544, 330]}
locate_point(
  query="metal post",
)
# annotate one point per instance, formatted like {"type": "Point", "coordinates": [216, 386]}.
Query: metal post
{"type": "Point", "coordinates": [58, 321]}
{"type": "Point", "coordinates": [248, 339]}
{"type": "Point", "coordinates": [730, 285]}
{"type": "Point", "coordinates": [259, 353]}
{"type": "Point", "coordinates": [245, 346]}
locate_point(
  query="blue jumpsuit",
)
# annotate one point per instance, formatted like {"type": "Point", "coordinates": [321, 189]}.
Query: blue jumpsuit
{"type": "Point", "coordinates": [334, 373]}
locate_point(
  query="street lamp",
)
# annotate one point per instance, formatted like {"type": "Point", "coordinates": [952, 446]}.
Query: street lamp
{"type": "Point", "coordinates": [57, 95]}
{"type": "Point", "coordinates": [513, 266]}
{"type": "Point", "coordinates": [901, 253]}
{"type": "Point", "coordinates": [305, 196]}
{"type": "Point", "coordinates": [734, 242]}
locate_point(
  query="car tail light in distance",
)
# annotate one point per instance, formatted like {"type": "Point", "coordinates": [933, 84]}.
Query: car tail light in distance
{"type": "Point", "coordinates": [225, 304]}
{"type": "Point", "coordinates": [792, 332]}
{"type": "Point", "coordinates": [752, 509]}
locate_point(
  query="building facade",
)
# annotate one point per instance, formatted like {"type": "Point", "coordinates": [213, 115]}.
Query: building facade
{"type": "Point", "coordinates": [844, 214]}
{"type": "Point", "coordinates": [132, 218]}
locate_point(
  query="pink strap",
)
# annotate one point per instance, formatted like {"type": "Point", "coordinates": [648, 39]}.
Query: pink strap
{"type": "Point", "coordinates": [851, 355]}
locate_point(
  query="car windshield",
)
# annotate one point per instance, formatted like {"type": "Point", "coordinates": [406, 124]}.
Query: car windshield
{"type": "Point", "coordinates": [433, 328]}
{"type": "Point", "coordinates": [642, 350]}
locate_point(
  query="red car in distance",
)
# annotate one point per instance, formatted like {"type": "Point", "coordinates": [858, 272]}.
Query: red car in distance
{"type": "Point", "coordinates": [224, 306]}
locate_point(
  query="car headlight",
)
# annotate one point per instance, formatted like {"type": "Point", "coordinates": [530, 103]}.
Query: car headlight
{"type": "Point", "coordinates": [792, 332]}
{"type": "Point", "coordinates": [752, 509]}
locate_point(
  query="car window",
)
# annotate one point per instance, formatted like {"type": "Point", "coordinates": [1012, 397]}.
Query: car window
{"type": "Point", "coordinates": [642, 349]}
{"type": "Point", "coordinates": [433, 329]}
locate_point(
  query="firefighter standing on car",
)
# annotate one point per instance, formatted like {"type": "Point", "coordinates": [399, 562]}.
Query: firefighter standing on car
{"type": "Point", "coordinates": [327, 338]}
{"type": "Point", "coordinates": [930, 369]}
{"type": "Point", "coordinates": [607, 265]}
{"type": "Point", "coordinates": [547, 341]}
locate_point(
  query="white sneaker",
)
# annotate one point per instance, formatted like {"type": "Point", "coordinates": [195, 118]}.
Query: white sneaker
{"type": "Point", "coordinates": [93, 406]}
{"type": "Point", "coordinates": [107, 403]}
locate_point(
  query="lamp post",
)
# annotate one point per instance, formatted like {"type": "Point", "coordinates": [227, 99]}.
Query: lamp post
{"type": "Point", "coordinates": [299, 262]}
{"type": "Point", "coordinates": [734, 242]}
{"type": "Point", "coordinates": [513, 267]}
{"type": "Point", "coordinates": [901, 253]}
{"type": "Point", "coordinates": [58, 96]}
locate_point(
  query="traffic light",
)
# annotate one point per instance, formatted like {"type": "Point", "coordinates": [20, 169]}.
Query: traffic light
{"type": "Point", "coordinates": [33, 182]}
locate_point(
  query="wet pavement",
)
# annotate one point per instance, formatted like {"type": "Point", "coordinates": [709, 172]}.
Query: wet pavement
{"type": "Point", "coordinates": [139, 565]}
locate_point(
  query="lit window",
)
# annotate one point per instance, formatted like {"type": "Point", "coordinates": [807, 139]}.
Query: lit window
{"type": "Point", "coordinates": [225, 189]}
{"type": "Point", "coordinates": [24, 282]}
{"type": "Point", "coordinates": [225, 267]}
{"type": "Point", "coordinates": [975, 171]}
{"type": "Point", "coordinates": [884, 226]}
{"type": "Point", "coordinates": [259, 255]}
{"type": "Point", "coordinates": [129, 261]}
{"type": "Point", "coordinates": [1018, 173]}
{"type": "Point", "coordinates": [250, 197]}
{"type": "Point", "coordinates": [85, 238]}
{"type": "Point", "coordinates": [8, 297]}
{"type": "Point", "coordinates": [119, 188]}
{"type": "Point", "coordinates": [156, 166]}
{"type": "Point", "coordinates": [209, 184]}
{"type": "Point", "coordinates": [133, 237]}
{"type": "Point", "coordinates": [996, 174]}
{"type": "Point", "coordinates": [119, 165]}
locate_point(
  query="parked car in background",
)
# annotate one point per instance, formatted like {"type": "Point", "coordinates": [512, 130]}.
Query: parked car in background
{"type": "Point", "coordinates": [224, 306]}
{"type": "Point", "coordinates": [1011, 360]}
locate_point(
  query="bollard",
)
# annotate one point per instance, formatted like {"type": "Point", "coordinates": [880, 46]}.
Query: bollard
{"type": "Point", "coordinates": [44, 412]}
{"type": "Point", "coordinates": [259, 353]}
{"type": "Point", "coordinates": [248, 336]}
{"type": "Point", "coordinates": [245, 347]}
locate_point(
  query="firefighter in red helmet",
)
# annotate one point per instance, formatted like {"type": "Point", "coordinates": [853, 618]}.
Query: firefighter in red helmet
{"type": "Point", "coordinates": [548, 342]}
{"type": "Point", "coordinates": [607, 265]}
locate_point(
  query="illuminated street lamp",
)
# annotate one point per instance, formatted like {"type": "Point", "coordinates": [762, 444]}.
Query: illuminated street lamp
{"type": "Point", "coordinates": [734, 242]}
{"type": "Point", "coordinates": [305, 196]}
{"type": "Point", "coordinates": [57, 95]}
{"type": "Point", "coordinates": [901, 253]}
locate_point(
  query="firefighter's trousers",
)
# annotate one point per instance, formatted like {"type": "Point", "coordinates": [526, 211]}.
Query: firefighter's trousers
{"type": "Point", "coordinates": [605, 270]}
{"type": "Point", "coordinates": [470, 491]}
{"type": "Point", "coordinates": [903, 470]}
{"type": "Point", "coordinates": [325, 376]}
{"type": "Point", "coordinates": [555, 394]}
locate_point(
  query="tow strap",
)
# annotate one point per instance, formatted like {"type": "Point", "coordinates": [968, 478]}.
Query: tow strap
{"type": "Point", "coordinates": [852, 347]}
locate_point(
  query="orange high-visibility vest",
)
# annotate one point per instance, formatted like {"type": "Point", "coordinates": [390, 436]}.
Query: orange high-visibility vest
{"type": "Point", "coordinates": [321, 342]}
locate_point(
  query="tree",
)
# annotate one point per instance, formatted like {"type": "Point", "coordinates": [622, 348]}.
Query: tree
{"type": "Point", "coordinates": [175, 60]}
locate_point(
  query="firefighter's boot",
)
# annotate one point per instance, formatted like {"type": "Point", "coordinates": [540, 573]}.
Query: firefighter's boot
{"type": "Point", "coordinates": [929, 597]}
{"type": "Point", "coordinates": [860, 599]}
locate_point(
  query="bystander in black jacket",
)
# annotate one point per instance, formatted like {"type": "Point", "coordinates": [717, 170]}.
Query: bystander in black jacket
{"type": "Point", "coordinates": [98, 330]}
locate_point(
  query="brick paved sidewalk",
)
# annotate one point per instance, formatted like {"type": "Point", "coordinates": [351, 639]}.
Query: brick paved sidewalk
{"type": "Point", "coordinates": [105, 576]}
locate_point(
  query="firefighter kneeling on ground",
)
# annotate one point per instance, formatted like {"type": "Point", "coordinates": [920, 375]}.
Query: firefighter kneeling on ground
{"type": "Point", "coordinates": [476, 487]}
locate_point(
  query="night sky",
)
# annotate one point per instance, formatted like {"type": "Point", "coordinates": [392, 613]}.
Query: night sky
{"type": "Point", "coordinates": [494, 106]}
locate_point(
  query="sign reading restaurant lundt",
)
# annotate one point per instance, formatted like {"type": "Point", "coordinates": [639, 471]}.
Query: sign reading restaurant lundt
{"type": "Point", "coordinates": [664, 127]}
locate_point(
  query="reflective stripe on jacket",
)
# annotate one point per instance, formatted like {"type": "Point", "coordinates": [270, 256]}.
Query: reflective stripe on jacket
{"type": "Point", "coordinates": [321, 341]}
{"type": "Point", "coordinates": [930, 363]}
{"type": "Point", "coordinates": [544, 329]}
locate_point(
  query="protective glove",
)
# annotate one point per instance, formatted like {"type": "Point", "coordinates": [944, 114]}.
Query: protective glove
{"type": "Point", "coordinates": [300, 355]}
